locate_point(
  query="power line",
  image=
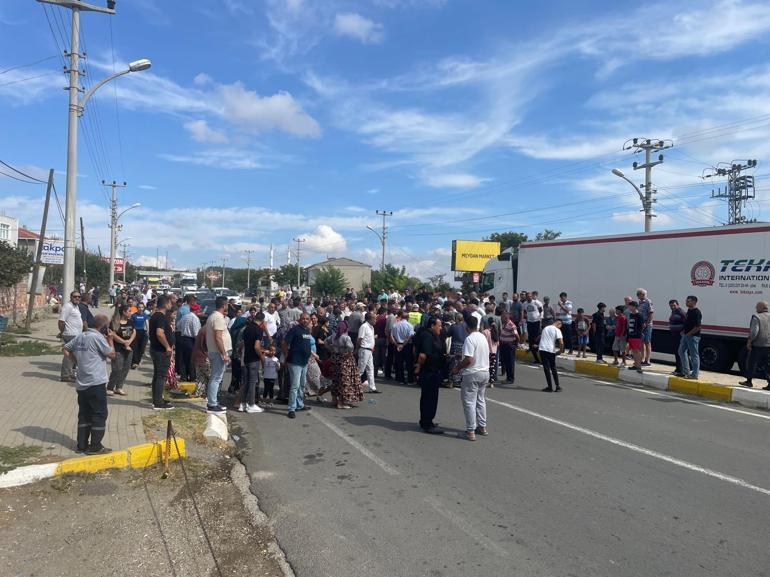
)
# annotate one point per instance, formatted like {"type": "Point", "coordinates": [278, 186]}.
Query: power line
{"type": "Point", "coordinates": [17, 178]}
{"type": "Point", "coordinates": [29, 64]}
{"type": "Point", "coordinates": [18, 81]}
{"type": "Point", "coordinates": [22, 173]}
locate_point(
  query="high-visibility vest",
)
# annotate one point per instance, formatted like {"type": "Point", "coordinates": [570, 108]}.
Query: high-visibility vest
{"type": "Point", "coordinates": [414, 318]}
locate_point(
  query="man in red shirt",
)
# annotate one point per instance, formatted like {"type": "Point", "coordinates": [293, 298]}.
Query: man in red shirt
{"type": "Point", "coordinates": [619, 344]}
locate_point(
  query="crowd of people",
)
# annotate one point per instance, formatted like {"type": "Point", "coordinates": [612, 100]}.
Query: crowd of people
{"type": "Point", "coordinates": [289, 350]}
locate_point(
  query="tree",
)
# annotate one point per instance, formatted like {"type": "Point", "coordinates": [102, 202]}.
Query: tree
{"type": "Point", "coordinates": [15, 263]}
{"type": "Point", "coordinates": [329, 281]}
{"type": "Point", "coordinates": [548, 234]}
{"type": "Point", "coordinates": [390, 277]}
{"type": "Point", "coordinates": [287, 275]}
{"type": "Point", "coordinates": [438, 283]}
{"type": "Point", "coordinates": [508, 239]}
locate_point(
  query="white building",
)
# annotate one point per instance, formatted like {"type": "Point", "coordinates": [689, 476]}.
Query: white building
{"type": "Point", "coordinates": [9, 229]}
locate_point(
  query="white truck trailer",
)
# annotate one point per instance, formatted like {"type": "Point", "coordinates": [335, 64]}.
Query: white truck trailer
{"type": "Point", "coordinates": [727, 268]}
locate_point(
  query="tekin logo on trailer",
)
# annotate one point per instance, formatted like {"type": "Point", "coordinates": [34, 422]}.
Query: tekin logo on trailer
{"type": "Point", "coordinates": [702, 273]}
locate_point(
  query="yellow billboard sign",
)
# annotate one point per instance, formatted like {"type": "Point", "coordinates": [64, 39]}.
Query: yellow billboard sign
{"type": "Point", "coordinates": [472, 255]}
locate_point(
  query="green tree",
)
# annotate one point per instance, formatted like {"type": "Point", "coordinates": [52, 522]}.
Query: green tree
{"type": "Point", "coordinates": [390, 277]}
{"type": "Point", "coordinates": [287, 275]}
{"type": "Point", "coordinates": [548, 234]}
{"type": "Point", "coordinates": [508, 239]}
{"type": "Point", "coordinates": [329, 281]}
{"type": "Point", "coordinates": [15, 263]}
{"type": "Point", "coordinates": [438, 282]}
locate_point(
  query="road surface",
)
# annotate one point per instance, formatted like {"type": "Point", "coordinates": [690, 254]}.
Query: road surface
{"type": "Point", "coordinates": [600, 480]}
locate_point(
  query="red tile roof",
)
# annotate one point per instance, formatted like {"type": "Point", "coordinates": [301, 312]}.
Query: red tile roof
{"type": "Point", "coordinates": [28, 234]}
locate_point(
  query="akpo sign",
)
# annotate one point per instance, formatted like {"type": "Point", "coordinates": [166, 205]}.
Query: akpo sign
{"type": "Point", "coordinates": [53, 252]}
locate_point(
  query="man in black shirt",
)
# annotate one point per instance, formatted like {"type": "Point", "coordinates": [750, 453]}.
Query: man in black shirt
{"type": "Point", "coordinates": [252, 354]}
{"type": "Point", "coordinates": [599, 328]}
{"type": "Point", "coordinates": [297, 351]}
{"type": "Point", "coordinates": [161, 337]}
{"type": "Point", "coordinates": [430, 369]}
{"type": "Point", "coordinates": [688, 346]}
{"type": "Point", "coordinates": [635, 328]}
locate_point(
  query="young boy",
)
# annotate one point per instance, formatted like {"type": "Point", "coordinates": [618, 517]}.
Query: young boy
{"type": "Point", "coordinates": [582, 326]}
{"type": "Point", "coordinates": [619, 343]}
{"type": "Point", "coordinates": [270, 367]}
{"type": "Point", "coordinates": [635, 328]}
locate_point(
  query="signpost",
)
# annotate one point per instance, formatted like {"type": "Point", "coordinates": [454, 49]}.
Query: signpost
{"type": "Point", "coordinates": [53, 252]}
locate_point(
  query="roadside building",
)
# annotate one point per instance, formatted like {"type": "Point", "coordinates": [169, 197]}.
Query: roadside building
{"type": "Point", "coordinates": [356, 273]}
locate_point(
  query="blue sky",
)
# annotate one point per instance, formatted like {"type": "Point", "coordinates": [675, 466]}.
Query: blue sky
{"type": "Point", "coordinates": [261, 121]}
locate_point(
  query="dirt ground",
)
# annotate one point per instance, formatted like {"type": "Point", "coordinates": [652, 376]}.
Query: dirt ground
{"type": "Point", "coordinates": [134, 523]}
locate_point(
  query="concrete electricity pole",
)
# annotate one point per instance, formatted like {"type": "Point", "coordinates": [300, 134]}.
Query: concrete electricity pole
{"type": "Point", "coordinates": [739, 189]}
{"type": "Point", "coordinates": [382, 236]}
{"type": "Point", "coordinates": [248, 268]}
{"type": "Point", "coordinates": [648, 146]}
{"type": "Point", "coordinates": [224, 262]}
{"type": "Point", "coordinates": [75, 110]}
{"type": "Point", "coordinates": [38, 253]}
{"type": "Point", "coordinates": [298, 241]}
{"type": "Point", "coordinates": [113, 225]}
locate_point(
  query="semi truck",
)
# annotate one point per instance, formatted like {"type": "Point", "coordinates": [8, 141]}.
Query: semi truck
{"type": "Point", "coordinates": [727, 268]}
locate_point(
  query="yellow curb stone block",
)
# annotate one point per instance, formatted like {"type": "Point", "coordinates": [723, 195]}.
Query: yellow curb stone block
{"type": "Point", "coordinates": [585, 367]}
{"type": "Point", "coordinates": [606, 371]}
{"type": "Point", "coordinates": [685, 386]}
{"type": "Point", "coordinates": [141, 456]}
{"type": "Point", "coordinates": [187, 387]}
{"type": "Point", "coordinates": [715, 392]}
{"type": "Point", "coordinates": [94, 463]}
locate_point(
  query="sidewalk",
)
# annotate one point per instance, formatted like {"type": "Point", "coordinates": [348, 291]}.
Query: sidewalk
{"type": "Point", "coordinates": [40, 410]}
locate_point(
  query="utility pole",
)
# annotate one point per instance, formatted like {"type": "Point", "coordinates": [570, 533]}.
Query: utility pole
{"type": "Point", "coordinates": [224, 261]}
{"type": "Point", "coordinates": [648, 146]}
{"type": "Point", "coordinates": [248, 268]}
{"type": "Point", "coordinates": [270, 273]}
{"type": "Point", "coordinates": [38, 253]}
{"type": "Point", "coordinates": [72, 131]}
{"type": "Point", "coordinates": [83, 250]}
{"type": "Point", "coordinates": [298, 240]}
{"type": "Point", "coordinates": [114, 228]}
{"type": "Point", "coordinates": [125, 261]}
{"type": "Point", "coordinates": [385, 214]}
{"type": "Point", "coordinates": [739, 189]}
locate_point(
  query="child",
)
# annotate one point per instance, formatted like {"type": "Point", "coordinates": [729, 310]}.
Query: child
{"type": "Point", "coordinates": [270, 367]}
{"type": "Point", "coordinates": [582, 325]}
{"type": "Point", "coordinates": [619, 343]}
{"type": "Point", "coordinates": [635, 329]}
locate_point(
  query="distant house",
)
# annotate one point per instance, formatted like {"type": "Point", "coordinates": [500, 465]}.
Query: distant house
{"type": "Point", "coordinates": [28, 240]}
{"type": "Point", "coordinates": [356, 273]}
{"type": "Point", "coordinates": [9, 229]}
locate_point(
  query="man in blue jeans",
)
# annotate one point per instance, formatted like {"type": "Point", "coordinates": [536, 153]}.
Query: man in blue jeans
{"type": "Point", "coordinates": [220, 345]}
{"type": "Point", "coordinates": [297, 351]}
{"type": "Point", "coordinates": [688, 346]}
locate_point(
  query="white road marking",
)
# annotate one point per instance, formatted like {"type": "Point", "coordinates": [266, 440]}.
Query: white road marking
{"type": "Point", "coordinates": [466, 527]}
{"type": "Point", "coordinates": [638, 449]}
{"type": "Point", "coordinates": [358, 446]}
{"type": "Point", "coordinates": [682, 398]}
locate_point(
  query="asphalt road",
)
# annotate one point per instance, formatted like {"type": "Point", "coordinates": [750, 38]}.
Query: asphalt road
{"type": "Point", "coordinates": [599, 480]}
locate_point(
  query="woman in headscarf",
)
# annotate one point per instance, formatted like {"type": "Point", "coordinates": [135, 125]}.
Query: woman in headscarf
{"type": "Point", "coordinates": [346, 385]}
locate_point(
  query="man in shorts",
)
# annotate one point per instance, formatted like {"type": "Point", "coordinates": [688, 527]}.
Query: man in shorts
{"type": "Point", "coordinates": [645, 309]}
{"type": "Point", "coordinates": [634, 333]}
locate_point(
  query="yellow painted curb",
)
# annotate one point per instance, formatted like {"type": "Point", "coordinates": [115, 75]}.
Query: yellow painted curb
{"type": "Point", "coordinates": [141, 456]}
{"type": "Point", "coordinates": [585, 367]}
{"type": "Point", "coordinates": [136, 457]}
{"type": "Point", "coordinates": [187, 387]}
{"type": "Point", "coordinates": [607, 371]}
{"type": "Point", "coordinates": [685, 386]}
{"type": "Point", "coordinates": [715, 392]}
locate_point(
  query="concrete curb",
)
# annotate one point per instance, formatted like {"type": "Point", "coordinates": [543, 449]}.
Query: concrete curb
{"type": "Point", "coordinates": [752, 398]}
{"type": "Point", "coordinates": [136, 457]}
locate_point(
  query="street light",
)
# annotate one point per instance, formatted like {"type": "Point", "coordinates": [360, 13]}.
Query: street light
{"type": "Point", "coordinates": [114, 227]}
{"type": "Point", "coordinates": [646, 206]}
{"type": "Point", "coordinates": [75, 109]}
{"type": "Point", "coordinates": [382, 244]}
{"type": "Point", "coordinates": [125, 245]}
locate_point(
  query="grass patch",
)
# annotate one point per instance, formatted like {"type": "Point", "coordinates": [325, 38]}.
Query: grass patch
{"type": "Point", "coordinates": [10, 347]}
{"type": "Point", "coordinates": [188, 424]}
{"type": "Point", "coordinates": [18, 330]}
{"type": "Point", "coordinates": [12, 457]}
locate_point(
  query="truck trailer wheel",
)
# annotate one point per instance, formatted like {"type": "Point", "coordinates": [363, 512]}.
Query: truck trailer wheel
{"type": "Point", "coordinates": [715, 356]}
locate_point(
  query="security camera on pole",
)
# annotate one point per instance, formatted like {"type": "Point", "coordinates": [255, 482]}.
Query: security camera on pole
{"type": "Point", "coordinates": [76, 109]}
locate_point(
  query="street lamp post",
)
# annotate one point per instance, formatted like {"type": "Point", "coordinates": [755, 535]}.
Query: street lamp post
{"type": "Point", "coordinates": [646, 200]}
{"type": "Point", "coordinates": [382, 245]}
{"type": "Point", "coordinates": [76, 108]}
{"type": "Point", "coordinates": [114, 228]}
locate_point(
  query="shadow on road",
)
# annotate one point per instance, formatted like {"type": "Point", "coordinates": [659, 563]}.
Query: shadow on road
{"type": "Point", "coordinates": [46, 435]}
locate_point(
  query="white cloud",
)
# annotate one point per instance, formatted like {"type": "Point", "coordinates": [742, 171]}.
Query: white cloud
{"type": "Point", "coordinates": [202, 79]}
{"type": "Point", "coordinates": [358, 27]}
{"type": "Point", "coordinates": [454, 180]}
{"type": "Point", "coordinates": [324, 240]}
{"type": "Point", "coordinates": [147, 187]}
{"type": "Point", "coordinates": [219, 158]}
{"type": "Point", "coordinates": [200, 131]}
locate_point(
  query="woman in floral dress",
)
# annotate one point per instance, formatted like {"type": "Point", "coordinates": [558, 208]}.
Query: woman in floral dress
{"type": "Point", "coordinates": [346, 385]}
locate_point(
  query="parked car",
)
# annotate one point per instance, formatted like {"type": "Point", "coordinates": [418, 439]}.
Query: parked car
{"type": "Point", "coordinates": [230, 294]}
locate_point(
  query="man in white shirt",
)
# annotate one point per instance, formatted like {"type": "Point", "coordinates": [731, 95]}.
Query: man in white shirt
{"type": "Point", "coordinates": [365, 344]}
{"type": "Point", "coordinates": [272, 320]}
{"type": "Point", "coordinates": [70, 326]}
{"type": "Point", "coordinates": [551, 344]}
{"type": "Point", "coordinates": [475, 375]}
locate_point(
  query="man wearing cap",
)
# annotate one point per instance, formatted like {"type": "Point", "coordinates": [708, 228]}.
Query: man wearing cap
{"type": "Point", "coordinates": [415, 316]}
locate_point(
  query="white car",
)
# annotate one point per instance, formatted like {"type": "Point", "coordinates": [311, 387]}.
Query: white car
{"type": "Point", "coordinates": [230, 294]}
